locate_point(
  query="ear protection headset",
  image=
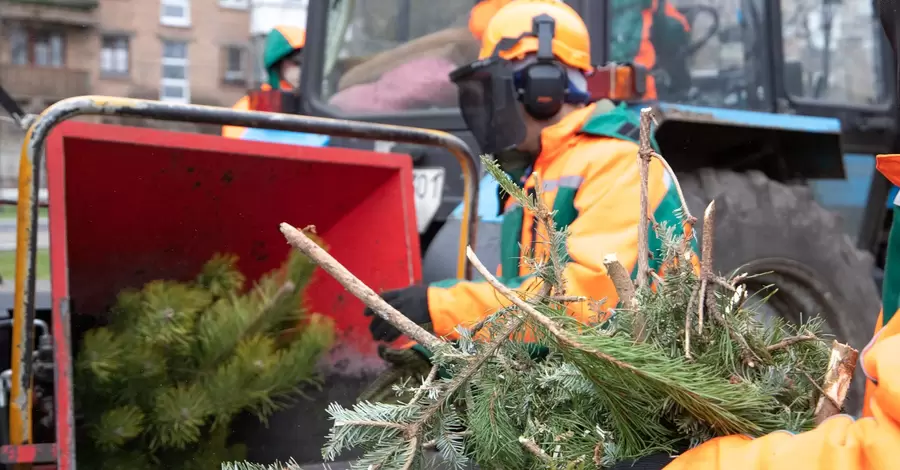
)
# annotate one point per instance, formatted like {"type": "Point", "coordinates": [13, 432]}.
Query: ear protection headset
{"type": "Point", "coordinates": [545, 83]}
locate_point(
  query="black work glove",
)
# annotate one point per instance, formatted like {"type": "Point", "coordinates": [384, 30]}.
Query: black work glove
{"type": "Point", "coordinates": [656, 461]}
{"type": "Point", "coordinates": [411, 301]}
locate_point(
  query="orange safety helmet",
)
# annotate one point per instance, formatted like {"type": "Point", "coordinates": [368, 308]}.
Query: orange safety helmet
{"type": "Point", "coordinates": [571, 41]}
{"type": "Point", "coordinates": [481, 15]}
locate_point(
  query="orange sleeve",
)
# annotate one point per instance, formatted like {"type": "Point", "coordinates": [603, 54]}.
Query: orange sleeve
{"type": "Point", "coordinates": [838, 443]}
{"type": "Point", "coordinates": [608, 205]}
{"type": "Point", "coordinates": [235, 132]}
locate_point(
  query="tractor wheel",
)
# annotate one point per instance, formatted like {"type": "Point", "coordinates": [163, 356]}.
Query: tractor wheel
{"type": "Point", "coordinates": [762, 226]}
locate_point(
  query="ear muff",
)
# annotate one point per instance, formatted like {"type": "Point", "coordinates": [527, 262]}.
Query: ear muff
{"type": "Point", "coordinates": [544, 83]}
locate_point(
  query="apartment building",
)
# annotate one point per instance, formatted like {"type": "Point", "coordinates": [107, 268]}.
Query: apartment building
{"type": "Point", "coordinates": [173, 50]}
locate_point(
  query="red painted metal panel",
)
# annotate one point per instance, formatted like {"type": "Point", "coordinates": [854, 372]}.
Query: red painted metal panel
{"type": "Point", "coordinates": [131, 205]}
{"type": "Point", "coordinates": [60, 322]}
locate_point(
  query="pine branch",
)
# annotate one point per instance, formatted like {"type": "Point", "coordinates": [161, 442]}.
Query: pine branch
{"type": "Point", "coordinates": [146, 382]}
{"type": "Point", "coordinates": [300, 241]}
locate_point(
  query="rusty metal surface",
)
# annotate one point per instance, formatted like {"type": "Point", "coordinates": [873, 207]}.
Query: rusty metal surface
{"type": "Point", "coordinates": [31, 164]}
{"type": "Point", "coordinates": [63, 386]}
{"type": "Point", "coordinates": [28, 454]}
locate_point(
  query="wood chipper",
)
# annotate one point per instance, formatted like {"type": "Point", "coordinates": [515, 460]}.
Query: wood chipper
{"type": "Point", "coordinates": [129, 205]}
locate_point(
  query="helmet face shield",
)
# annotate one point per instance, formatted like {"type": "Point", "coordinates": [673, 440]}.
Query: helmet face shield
{"type": "Point", "coordinates": [489, 105]}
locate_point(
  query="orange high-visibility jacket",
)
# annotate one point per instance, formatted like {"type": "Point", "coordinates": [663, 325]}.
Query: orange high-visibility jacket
{"type": "Point", "coordinates": [870, 442]}
{"type": "Point", "coordinates": [590, 173]}
{"type": "Point", "coordinates": [243, 104]}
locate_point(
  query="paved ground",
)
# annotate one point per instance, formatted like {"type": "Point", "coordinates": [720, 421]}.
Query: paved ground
{"type": "Point", "coordinates": [8, 234]}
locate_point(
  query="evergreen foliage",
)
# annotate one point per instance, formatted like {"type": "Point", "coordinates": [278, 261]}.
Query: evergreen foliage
{"type": "Point", "coordinates": [630, 384]}
{"type": "Point", "coordinates": [159, 385]}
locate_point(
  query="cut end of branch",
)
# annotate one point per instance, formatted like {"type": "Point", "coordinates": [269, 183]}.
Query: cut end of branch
{"type": "Point", "coordinates": [620, 279]}
{"type": "Point", "coordinates": [709, 223]}
{"type": "Point", "coordinates": [360, 290]}
{"type": "Point", "coordinates": [841, 366]}
{"type": "Point", "coordinates": [534, 449]}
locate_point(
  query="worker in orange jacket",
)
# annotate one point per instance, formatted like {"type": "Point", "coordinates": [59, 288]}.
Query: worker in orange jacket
{"type": "Point", "coordinates": [535, 53]}
{"type": "Point", "coordinates": [281, 58]}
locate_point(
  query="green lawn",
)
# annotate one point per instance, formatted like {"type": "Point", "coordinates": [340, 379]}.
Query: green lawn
{"type": "Point", "coordinates": [8, 265]}
{"type": "Point", "coordinates": [9, 212]}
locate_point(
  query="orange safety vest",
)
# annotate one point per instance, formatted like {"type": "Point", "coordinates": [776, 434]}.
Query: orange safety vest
{"type": "Point", "coordinates": [243, 104]}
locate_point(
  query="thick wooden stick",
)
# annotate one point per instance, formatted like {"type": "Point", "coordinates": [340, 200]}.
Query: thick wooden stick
{"type": "Point", "coordinates": [645, 153]}
{"type": "Point", "coordinates": [706, 263]}
{"type": "Point", "coordinates": [621, 280]}
{"type": "Point", "coordinates": [625, 290]}
{"type": "Point", "coordinates": [300, 241]}
{"type": "Point", "coordinates": [841, 366]}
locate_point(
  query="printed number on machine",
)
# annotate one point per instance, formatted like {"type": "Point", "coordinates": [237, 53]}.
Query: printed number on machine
{"type": "Point", "coordinates": [428, 186]}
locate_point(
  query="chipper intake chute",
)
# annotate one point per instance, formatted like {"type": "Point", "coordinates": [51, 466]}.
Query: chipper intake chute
{"type": "Point", "coordinates": [131, 205]}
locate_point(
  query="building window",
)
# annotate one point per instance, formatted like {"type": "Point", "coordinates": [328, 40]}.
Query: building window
{"type": "Point", "coordinates": [37, 47]}
{"type": "Point", "coordinates": [235, 60]}
{"type": "Point", "coordinates": [235, 4]}
{"type": "Point", "coordinates": [114, 60]}
{"type": "Point", "coordinates": [175, 85]}
{"type": "Point", "coordinates": [175, 12]}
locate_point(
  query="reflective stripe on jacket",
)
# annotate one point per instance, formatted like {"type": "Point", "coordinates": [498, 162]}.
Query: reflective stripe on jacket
{"type": "Point", "coordinates": [590, 173]}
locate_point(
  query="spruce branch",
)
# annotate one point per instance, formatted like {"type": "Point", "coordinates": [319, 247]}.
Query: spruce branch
{"type": "Point", "coordinates": [426, 385]}
{"type": "Point", "coordinates": [300, 241]}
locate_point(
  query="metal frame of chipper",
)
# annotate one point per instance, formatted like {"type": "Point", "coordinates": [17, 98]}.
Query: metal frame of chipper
{"type": "Point", "coordinates": [22, 451]}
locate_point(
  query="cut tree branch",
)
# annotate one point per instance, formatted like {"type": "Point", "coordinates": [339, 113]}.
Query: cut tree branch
{"type": "Point", "coordinates": [300, 241]}
{"type": "Point", "coordinates": [706, 263]}
{"type": "Point", "coordinates": [645, 153]}
{"type": "Point", "coordinates": [841, 366]}
{"type": "Point", "coordinates": [535, 450]}
{"type": "Point", "coordinates": [621, 280]}
{"type": "Point", "coordinates": [538, 317]}
{"type": "Point", "coordinates": [626, 292]}
{"type": "Point", "coordinates": [788, 342]}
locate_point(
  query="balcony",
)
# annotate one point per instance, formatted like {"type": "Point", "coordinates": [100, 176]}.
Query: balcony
{"type": "Point", "coordinates": [80, 13]}
{"type": "Point", "coordinates": [49, 83]}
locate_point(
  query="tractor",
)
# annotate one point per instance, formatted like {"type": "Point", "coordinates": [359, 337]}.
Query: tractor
{"type": "Point", "coordinates": [773, 109]}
